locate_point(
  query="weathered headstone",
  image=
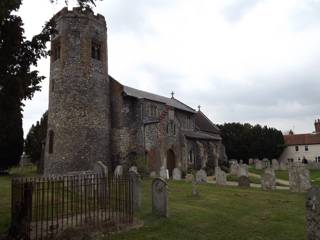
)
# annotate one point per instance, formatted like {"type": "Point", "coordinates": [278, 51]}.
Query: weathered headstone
{"type": "Point", "coordinates": [258, 164]}
{"type": "Point", "coordinates": [242, 170]}
{"type": "Point", "coordinates": [283, 165]}
{"type": "Point", "coordinates": [160, 197]}
{"type": "Point", "coordinates": [265, 163]}
{"type": "Point", "coordinates": [118, 172]}
{"type": "Point", "coordinates": [153, 174]}
{"type": "Point", "coordinates": [275, 164]}
{"type": "Point", "coordinates": [176, 174]}
{"type": "Point", "coordinates": [221, 177]}
{"type": "Point", "coordinates": [243, 181]}
{"type": "Point", "coordinates": [163, 173]}
{"type": "Point", "coordinates": [234, 168]}
{"type": "Point", "coordinates": [136, 189]}
{"type": "Point", "coordinates": [24, 160]}
{"type": "Point", "coordinates": [201, 176]}
{"type": "Point", "coordinates": [189, 177]}
{"type": "Point", "coordinates": [299, 179]}
{"type": "Point", "coordinates": [133, 169]}
{"type": "Point", "coordinates": [250, 161]}
{"type": "Point", "coordinates": [313, 213]}
{"type": "Point", "coordinates": [268, 180]}
{"type": "Point", "coordinates": [195, 192]}
{"type": "Point", "coordinates": [100, 168]}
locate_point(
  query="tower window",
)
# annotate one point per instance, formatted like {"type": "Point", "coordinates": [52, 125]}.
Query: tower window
{"type": "Point", "coordinates": [55, 51]}
{"type": "Point", "coordinates": [95, 50]}
{"type": "Point", "coordinates": [51, 139]}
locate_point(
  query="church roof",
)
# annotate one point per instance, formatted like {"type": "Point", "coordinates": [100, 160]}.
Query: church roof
{"type": "Point", "coordinates": [302, 139]}
{"type": "Point", "coordinates": [204, 124]}
{"type": "Point", "coordinates": [201, 135]}
{"type": "Point", "coordinates": [129, 91]}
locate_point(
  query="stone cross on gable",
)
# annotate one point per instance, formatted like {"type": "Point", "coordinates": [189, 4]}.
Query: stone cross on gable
{"type": "Point", "coordinates": [172, 94]}
{"type": "Point", "coordinates": [199, 108]}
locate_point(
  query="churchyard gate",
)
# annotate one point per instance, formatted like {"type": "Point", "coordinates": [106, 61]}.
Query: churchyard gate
{"type": "Point", "coordinates": [43, 207]}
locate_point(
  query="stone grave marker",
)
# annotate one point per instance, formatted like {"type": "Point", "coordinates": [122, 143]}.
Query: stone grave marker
{"type": "Point", "coordinates": [313, 213]}
{"type": "Point", "coordinates": [201, 176]}
{"type": "Point", "coordinates": [258, 164]}
{"type": "Point", "coordinates": [221, 177]}
{"type": "Point", "coordinates": [100, 168]}
{"type": "Point", "coordinates": [268, 180]}
{"type": "Point", "coordinates": [234, 168]}
{"type": "Point", "coordinates": [118, 172]}
{"type": "Point", "coordinates": [275, 164]}
{"type": "Point", "coordinates": [250, 161]}
{"type": "Point", "coordinates": [136, 189]}
{"type": "Point", "coordinates": [243, 181]}
{"type": "Point", "coordinates": [283, 165]}
{"type": "Point", "coordinates": [299, 179]}
{"type": "Point", "coordinates": [265, 163]}
{"type": "Point", "coordinates": [242, 170]}
{"type": "Point", "coordinates": [133, 169]}
{"type": "Point", "coordinates": [195, 192]}
{"type": "Point", "coordinates": [176, 174]}
{"type": "Point", "coordinates": [160, 197]}
{"type": "Point", "coordinates": [163, 173]}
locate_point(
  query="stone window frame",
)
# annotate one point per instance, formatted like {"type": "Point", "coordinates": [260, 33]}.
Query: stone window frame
{"type": "Point", "coordinates": [191, 156]}
{"type": "Point", "coordinates": [96, 50]}
{"type": "Point", "coordinates": [297, 148]}
{"type": "Point", "coordinates": [51, 141]}
{"type": "Point", "coordinates": [306, 148]}
{"type": "Point", "coordinates": [55, 49]}
{"type": "Point", "coordinates": [171, 128]}
{"type": "Point", "coordinates": [153, 110]}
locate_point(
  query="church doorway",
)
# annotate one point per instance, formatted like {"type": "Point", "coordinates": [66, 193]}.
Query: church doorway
{"type": "Point", "coordinates": [171, 161]}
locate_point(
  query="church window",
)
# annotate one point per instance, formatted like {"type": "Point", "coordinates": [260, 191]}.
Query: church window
{"type": "Point", "coordinates": [55, 51]}
{"type": "Point", "coordinates": [190, 156]}
{"type": "Point", "coordinates": [153, 110]}
{"type": "Point", "coordinates": [51, 139]}
{"type": "Point", "coordinates": [95, 50]}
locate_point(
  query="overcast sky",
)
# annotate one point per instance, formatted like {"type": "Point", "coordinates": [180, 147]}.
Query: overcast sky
{"type": "Point", "coordinates": [255, 61]}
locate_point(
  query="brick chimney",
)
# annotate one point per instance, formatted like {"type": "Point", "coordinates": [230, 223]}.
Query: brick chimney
{"type": "Point", "coordinates": [317, 125]}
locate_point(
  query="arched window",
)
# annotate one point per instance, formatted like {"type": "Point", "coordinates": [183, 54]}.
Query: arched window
{"type": "Point", "coordinates": [51, 139]}
{"type": "Point", "coordinates": [95, 50]}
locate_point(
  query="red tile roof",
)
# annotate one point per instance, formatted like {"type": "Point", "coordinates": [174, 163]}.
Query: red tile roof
{"type": "Point", "coordinates": [302, 139]}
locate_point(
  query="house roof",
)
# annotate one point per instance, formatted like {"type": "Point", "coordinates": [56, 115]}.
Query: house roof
{"type": "Point", "coordinates": [201, 135]}
{"type": "Point", "coordinates": [204, 124]}
{"type": "Point", "coordinates": [302, 139]}
{"type": "Point", "coordinates": [129, 91]}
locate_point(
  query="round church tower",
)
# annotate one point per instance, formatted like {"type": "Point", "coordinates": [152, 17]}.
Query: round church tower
{"type": "Point", "coordinates": [79, 106]}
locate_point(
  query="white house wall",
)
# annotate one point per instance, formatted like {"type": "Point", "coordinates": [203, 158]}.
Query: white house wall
{"type": "Point", "coordinates": [312, 154]}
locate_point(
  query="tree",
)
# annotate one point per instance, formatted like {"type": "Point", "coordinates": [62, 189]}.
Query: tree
{"type": "Point", "coordinates": [244, 141]}
{"type": "Point", "coordinates": [17, 81]}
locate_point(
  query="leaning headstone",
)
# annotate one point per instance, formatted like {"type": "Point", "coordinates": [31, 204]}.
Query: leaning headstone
{"type": "Point", "coordinates": [258, 164]}
{"type": "Point", "coordinates": [275, 164]}
{"type": "Point", "coordinates": [189, 177]}
{"type": "Point", "coordinates": [160, 197]}
{"type": "Point", "coordinates": [268, 180]}
{"type": "Point", "coordinates": [163, 173]}
{"type": "Point", "coordinates": [234, 168]}
{"type": "Point", "coordinates": [133, 169]}
{"type": "Point", "coordinates": [118, 172]}
{"type": "Point", "coordinates": [201, 176]}
{"type": "Point", "coordinates": [176, 174]}
{"type": "Point", "coordinates": [136, 190]}
{"type": "Point", "coordinates": [100, 168]}
{"type": "Point", "coordinates": [299, 179]}
{"type": "Point", "coordinates": [313, 213]}
{"type": "Point", "coordinates": [221, 177]}
{"type": "Point", "coordinates": [243, 181]}
{"type": "Point", "coordinates": [153, 174]}
{"type": "Point", "coordinates": [242, 170]}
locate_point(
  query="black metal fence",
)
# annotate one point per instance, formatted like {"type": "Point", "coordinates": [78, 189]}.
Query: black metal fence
{"type": "Point", "coordinates": [42, 207]}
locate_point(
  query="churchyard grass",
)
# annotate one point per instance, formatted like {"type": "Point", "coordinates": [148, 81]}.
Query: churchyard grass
{"type": "Point", "coordinates": [223, 213]}
{"type": "Point", "coordinates": [252, 179]}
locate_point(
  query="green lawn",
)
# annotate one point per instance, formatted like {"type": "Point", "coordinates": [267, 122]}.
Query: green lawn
{"type": "Point", "coordinates": [218, 213]}
{"type": "Point", "coordinates": [252, 179]}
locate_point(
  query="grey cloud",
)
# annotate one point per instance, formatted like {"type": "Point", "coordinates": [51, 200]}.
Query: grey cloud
{"type": "Point", "coordinates": [237, 9]}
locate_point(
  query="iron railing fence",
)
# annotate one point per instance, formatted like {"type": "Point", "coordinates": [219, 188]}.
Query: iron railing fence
{"type": "Point", "coordinates": [43, 207]}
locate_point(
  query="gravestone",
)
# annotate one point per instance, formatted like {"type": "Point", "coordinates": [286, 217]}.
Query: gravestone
{"type": "Point", "coordinates": [118, 172]}
{"type": "Point", "coordinates": [24, 160]}
{"type": "Point", "coordinates": [313, 213]}
{"type": "Point", "coordinates": [243, 181]}
{"type": "Point", "coordinates": [299, 179]}
{"type": "Point", "coordinates": [176, 174]}
{"type": "Point", "coordinates": [242, 170]}
{"type": "Point", "coordinates": [268, 180]}
{"type": "Point", "coordinates": [275, 164]}
{"type": "Point", "coordinates": [250, 161]}
{"type": "Point", "coordinates": [283, 165]}
{"type": "Point", "coordinates": [153, 174]}
{"type": "Point", "coordinates": [234, 168]}
{"type": "Point", "coordinates": [265, 163]}
{"type": "Point", "coordinates": [160, 197]}
{"type": "Point", "coordinates": [163, 173]}
{"type": "Point", "coordinates": [258, 164]}
{"type": "Point", "coordinates": [221, 177]}
{"type": "Point", "coordinates": [133, 169]}
{"type": "Point", "coordinates": [100, 168]}
{"type": "Point", "coordinates": [201, 176]}
{"type": "Point", "coordinates": [195, 192]}
{"type": "Point", "coordinates": [189, 177]}
{"type": "Point", "coordinates": [136, 189]}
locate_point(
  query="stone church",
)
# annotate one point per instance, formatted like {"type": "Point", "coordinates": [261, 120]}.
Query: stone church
{"type": "Point", "coordinates": [93, 117]}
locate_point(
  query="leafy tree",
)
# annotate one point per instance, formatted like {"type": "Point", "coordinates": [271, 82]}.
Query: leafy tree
{"type": "Point", "coordinates": [17, 81]}
{"type": "Point", "coordinates": [244, 141]}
